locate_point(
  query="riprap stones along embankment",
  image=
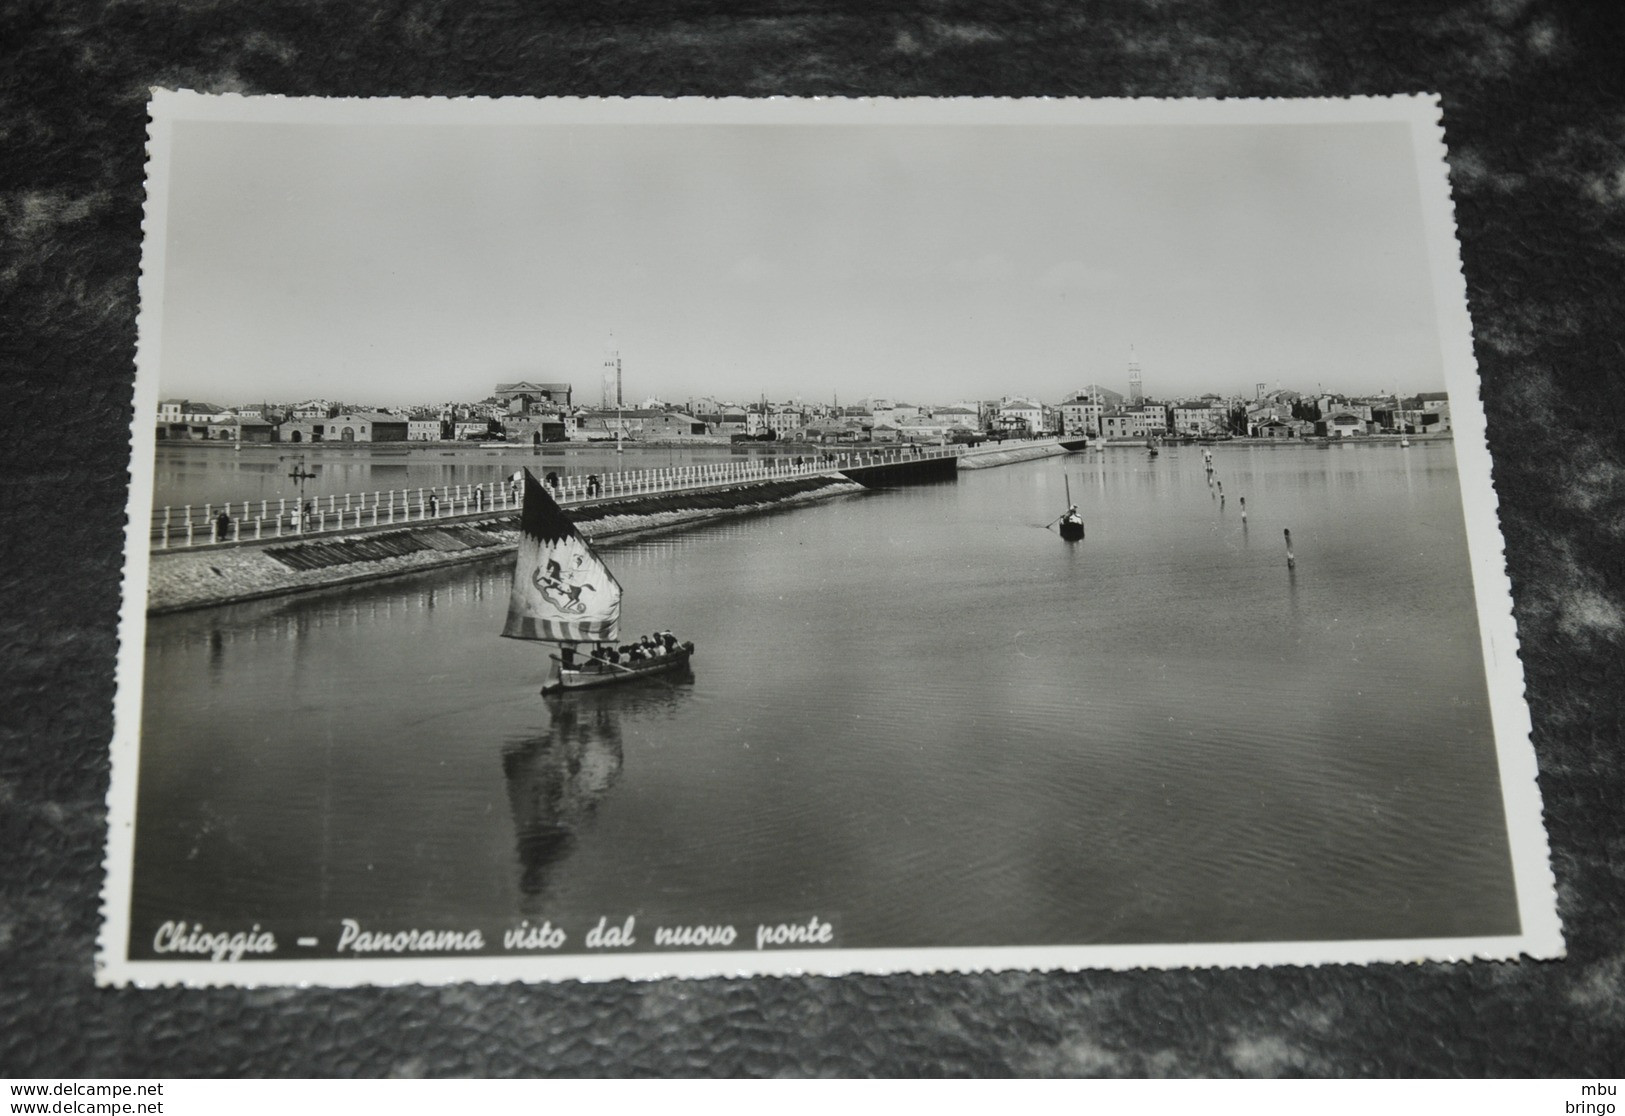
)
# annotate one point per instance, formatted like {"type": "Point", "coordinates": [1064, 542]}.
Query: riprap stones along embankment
{"type": "Point", "coordinates": [204, 577]}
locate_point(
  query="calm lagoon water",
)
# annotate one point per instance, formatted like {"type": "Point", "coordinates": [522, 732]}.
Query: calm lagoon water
{"type": "Point", "coordinates": [914, 714]}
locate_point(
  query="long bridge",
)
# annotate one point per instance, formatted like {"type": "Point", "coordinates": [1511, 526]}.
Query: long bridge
{"type": "Point", "coordinates": [260, 521]}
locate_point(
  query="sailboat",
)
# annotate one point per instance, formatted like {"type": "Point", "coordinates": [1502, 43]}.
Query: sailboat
{"type": "Point", "coordinates": [564, 593]}
{"type": "Point", "coordinates": [1071, 524]}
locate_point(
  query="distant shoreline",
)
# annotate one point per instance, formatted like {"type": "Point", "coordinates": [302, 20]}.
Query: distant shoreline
{"type": "Point", "coordinates": [782, 447]}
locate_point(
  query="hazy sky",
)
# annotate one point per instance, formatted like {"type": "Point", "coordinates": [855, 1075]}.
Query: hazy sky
{"type": "Point", "coordinates": [417, 263]}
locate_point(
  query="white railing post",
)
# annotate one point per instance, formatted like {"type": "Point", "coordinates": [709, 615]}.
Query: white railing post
{"type": "Point", "coordinates": [236, 531]}
{"type": "Point", "coordinates": [165, 544]}
{"type": "Point", "coordinates": [259, 527]}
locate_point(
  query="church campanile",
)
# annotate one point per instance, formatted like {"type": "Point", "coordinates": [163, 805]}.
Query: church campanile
{"type": "Point", "coordinates": [612, 377]}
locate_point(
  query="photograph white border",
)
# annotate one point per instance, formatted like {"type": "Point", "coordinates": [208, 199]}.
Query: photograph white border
{"type": "Point", "coordinates": [1541, 935]}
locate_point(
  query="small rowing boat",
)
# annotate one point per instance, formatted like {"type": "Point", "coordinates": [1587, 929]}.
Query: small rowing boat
{"type": "Point", "coordinates": [1071, 523]}
{"type": "Point", "coordinates": [598, 672]}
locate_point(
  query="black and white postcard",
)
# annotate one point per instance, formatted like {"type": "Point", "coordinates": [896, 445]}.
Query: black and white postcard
{"type": "Point", "coordinates": [590, 539]}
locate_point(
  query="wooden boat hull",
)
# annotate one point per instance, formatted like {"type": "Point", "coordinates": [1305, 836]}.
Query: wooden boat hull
{"type": "Point", "coordinates": [1071, 532]}
{"type": "Point", "coordinates": [605, 674]}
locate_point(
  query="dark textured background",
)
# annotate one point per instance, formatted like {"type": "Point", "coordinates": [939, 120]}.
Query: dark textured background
{"type": "Point", "coordinates": [1536, 123]}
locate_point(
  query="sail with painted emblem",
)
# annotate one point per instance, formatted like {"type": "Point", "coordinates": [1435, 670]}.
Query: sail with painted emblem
{"type": "Point", "coordinates": [562, 591]}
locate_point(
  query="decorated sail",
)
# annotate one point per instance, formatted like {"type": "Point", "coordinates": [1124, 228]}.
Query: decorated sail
{"type": "Point", "coordinates": [562, 591]}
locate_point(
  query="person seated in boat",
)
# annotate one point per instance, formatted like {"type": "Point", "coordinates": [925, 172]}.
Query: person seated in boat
{"type": "Point", "coordinates": [635, 653]}
{"type": "Point", "coordinates": [567, 656]}
{"type": "Point", "coordinates": [669, 640]}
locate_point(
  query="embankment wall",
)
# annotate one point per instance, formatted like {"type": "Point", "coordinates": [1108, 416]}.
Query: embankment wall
{"type": "Point", "coordinates": [180, 580]}
{"type": "Point", "coordinates": [1009, 455]}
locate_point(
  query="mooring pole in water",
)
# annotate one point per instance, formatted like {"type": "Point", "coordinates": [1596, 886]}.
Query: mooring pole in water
{"type": "Point", "coordinates": [1291, 562]}
{"type": "Point", "coordinates": [1244, 507]}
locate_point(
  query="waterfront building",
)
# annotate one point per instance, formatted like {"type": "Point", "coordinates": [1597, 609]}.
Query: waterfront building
{"type": "Point", "coordinates": [252, 429]}
{"type": "Point", "coordinates": [957, 417]}
{"type": "Point", "coordinates": [923, 428]}
{"type": "Point", "coordinates": [356, 426]}
{"type": "Point", "coordinates": [1134, 422]}
{"type": "Point", "coordinates": [839, 431]}
{"type": "Point", "coordinates": [524, 397]}
{"type": "Point", "coordinates": [1199, 418]}
{"type": "Point", "coordinates": [1080, 414]}
{"type": "Point", "coordinates": [780, 421]}
{"type": "Point", "coordinates": [729, 421]}
{"type": "Point", "coordinates": [188, 411]}
{"type": "Point", "coordinates": [1020, 416]}
{"type": "Point", "coordinates": [1345, 424]}
{"type": "Point", "coordinates": [669, 425]}
{"type": "Point", "coordinates": [185, 420]}
{"type": "Point", "coordinates": [422, 430]}
{"type": "Point", "coordinates": [529, 429]}
{"type": "Point", "coordinates": [1123, 423]}
{"type": "Point", "coordinates": [626, 423]}
{"type": "Point", "coordinates": [1426, 413]}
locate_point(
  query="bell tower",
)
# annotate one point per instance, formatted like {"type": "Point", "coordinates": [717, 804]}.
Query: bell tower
{"type": "Point", "coordinates": [612, 377]}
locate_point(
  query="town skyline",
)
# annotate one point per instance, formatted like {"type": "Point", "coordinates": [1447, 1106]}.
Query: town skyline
{"type": "Point", "coordinates": [633, 400]}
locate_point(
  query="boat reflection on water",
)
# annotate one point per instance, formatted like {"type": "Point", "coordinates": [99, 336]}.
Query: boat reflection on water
{"type": "Point", "coordinates": [557, 779]}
